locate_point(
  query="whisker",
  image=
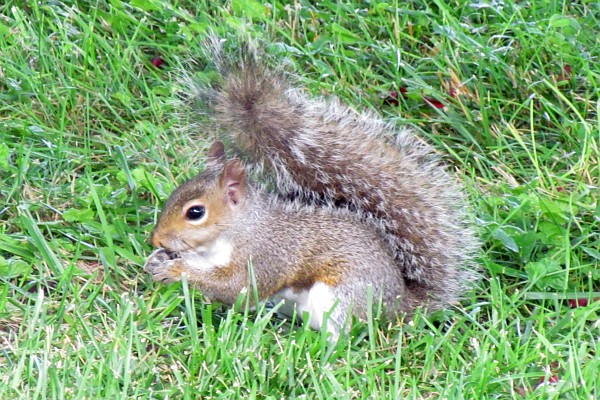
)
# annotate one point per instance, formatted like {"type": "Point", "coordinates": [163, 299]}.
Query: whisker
{"type": "Point", "coordinates": [189, 246]}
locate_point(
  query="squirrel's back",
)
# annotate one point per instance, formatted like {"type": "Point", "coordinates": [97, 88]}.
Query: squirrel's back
{"type": "Point", "coordinates": [326, 153]}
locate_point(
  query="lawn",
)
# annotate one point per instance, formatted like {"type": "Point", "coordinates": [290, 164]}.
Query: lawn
{"type": "Point", "coordinates": [91, 144]}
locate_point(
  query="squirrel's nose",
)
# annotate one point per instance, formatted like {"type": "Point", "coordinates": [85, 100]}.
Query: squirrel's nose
{"type": "Point", "coordinates": [155, 239]}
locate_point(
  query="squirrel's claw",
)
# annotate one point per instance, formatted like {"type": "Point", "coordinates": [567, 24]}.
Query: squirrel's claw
{"type": "Point", "coordinates": [164, 266]}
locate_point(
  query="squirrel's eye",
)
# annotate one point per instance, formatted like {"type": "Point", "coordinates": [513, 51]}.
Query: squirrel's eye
{"type": "Point", "coordinates": [195, 213]}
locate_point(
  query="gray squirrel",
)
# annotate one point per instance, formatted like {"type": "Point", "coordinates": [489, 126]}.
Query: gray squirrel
{"type": "Point", "coordinates": [357, 207]}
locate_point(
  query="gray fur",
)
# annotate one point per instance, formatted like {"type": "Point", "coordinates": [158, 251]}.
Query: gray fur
{"type": "Point", "coordinates": [328, 156]}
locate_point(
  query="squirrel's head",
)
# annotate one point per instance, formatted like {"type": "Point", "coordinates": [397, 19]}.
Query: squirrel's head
{"type": "Point", "coordinates": [202, 208]}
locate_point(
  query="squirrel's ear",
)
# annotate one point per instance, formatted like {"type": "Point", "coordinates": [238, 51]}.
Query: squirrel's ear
{"type": "Point", "coordinates": [216, 153]}
{"type": "Point", "coordinates": [233, 180]}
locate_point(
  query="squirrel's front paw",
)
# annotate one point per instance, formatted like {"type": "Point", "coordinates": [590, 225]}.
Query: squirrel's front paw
{"type": "Point", "coordinates": [164, 266]}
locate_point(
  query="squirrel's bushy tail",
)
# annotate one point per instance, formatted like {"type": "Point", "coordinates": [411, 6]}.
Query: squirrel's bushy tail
{"type": "Point", "coordinates": [327, 152]}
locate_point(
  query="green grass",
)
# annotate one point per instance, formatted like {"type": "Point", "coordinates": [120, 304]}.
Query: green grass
{"type": "Point", "coordinates": [89, 150]}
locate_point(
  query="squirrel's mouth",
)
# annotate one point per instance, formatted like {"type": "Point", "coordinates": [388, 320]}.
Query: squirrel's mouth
{"type": "Point", "coordinates": [172, 243]}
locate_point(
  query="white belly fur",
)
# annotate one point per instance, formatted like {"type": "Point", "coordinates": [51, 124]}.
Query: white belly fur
{"type": "Point", "coordinates": [316, 301]}
{"type": "Point", "coordinates": [207, 258]}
